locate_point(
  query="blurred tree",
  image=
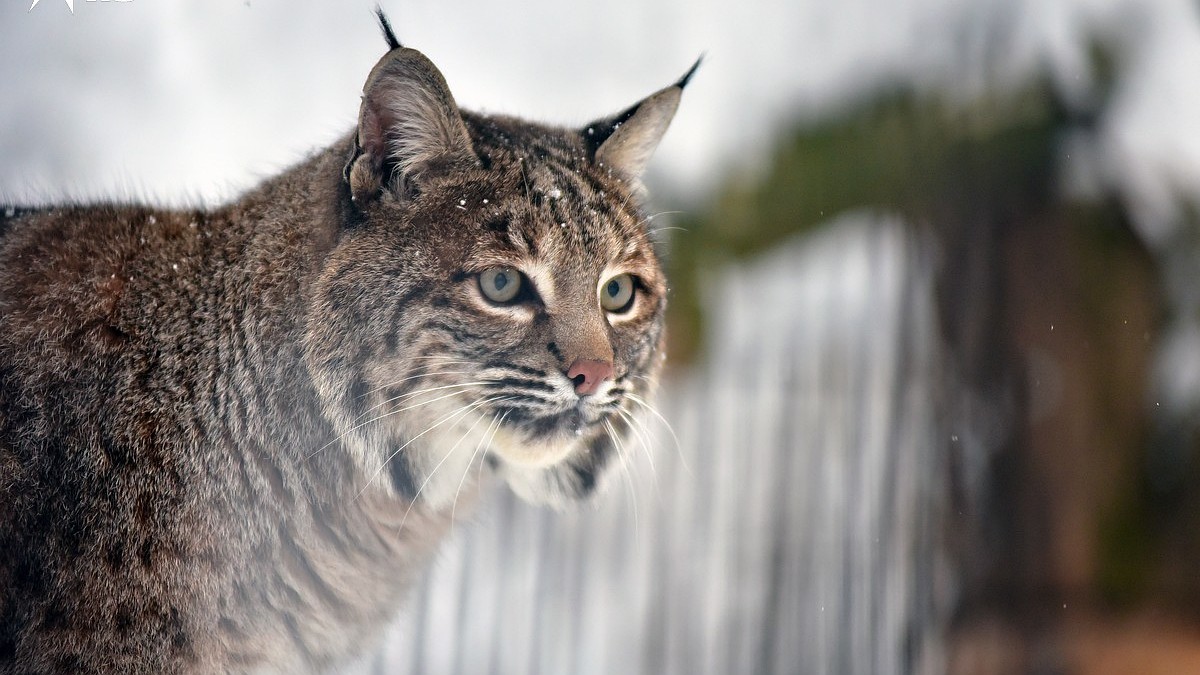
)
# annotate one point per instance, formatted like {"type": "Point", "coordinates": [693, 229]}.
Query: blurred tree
{"type": "Point", "coordinates": [1050, 307]}
{"type": "Point", "coordinates": [921, 156]}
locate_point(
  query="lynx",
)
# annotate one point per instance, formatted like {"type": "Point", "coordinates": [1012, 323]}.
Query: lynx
{"type": "Point", "coordinates": [230, 438]}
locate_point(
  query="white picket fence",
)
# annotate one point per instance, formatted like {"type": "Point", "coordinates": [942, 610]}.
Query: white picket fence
{"type": "Point", "coordinates": [795, 528]}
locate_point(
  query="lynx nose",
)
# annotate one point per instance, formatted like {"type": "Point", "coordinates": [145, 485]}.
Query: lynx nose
{"type": "Point", "coordinates": [587, 375]}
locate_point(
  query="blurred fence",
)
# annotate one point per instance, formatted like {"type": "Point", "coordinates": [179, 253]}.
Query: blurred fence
{"type": "Point", "coordinates": [794, 528]}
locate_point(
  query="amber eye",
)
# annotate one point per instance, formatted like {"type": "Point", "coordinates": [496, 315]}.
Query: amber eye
{"type": "Point", "coordinates": [500, 284]}
{"type": "Point", "coordinates": [616, 295]}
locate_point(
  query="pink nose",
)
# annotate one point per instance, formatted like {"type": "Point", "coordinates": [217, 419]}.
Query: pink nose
{"type": "Point", "coordinates": [587, 375]}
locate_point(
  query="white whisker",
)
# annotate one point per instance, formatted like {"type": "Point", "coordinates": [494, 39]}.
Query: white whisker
{"type": "Point", "coordinates": [645, 222]}
{"type": "Point", "coordinates": [457, 414]}
{"type": "Point", "coordinates": [669, 228]}
{"type": "Point", "coordinates": [479, 471]}
{"type": "Point", "coordinates": [678, 447]}
{"type": "Point", "coordinates": [427, 373]}
{"type": "Point", "coordinates": [418, 392]}
{"type": "Point", "coordinates": [643, 439]}
{"type": "Point", "coordinates": [437, 466]}
{"type": "Point", "coordinates": [478, 446]}
{"type": "Point", "coordinates": [614, 437]}
{"type": "Point", "coordinates": [661, 213]}
{"type": "Point", "coordinates": [380, 417]}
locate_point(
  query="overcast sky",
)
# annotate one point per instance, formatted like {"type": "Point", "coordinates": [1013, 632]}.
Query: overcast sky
{"type": "Point", "coordinates": [175, 101]}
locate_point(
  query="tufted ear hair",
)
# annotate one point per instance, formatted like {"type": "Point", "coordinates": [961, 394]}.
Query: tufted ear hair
{"type": "Point", "coordinates": [408, 127]}
{"type": "Point", "coordinates": [625, 142]}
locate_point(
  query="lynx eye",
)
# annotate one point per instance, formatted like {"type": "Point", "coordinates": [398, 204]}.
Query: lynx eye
{"type": "Point", "coordinates": [500, 284]}
{"type": "Point", "coordinates": [616, 295]}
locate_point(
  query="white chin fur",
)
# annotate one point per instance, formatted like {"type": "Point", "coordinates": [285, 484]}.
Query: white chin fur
{"type": "Point", "coordinates": [539, 473]}
{"type": "Point", "coordinates": [540, 486]}
{"type": "Point", "coordinates": [514, 449]}
{"type": "Point", "coordinates": [532, 486]}
{"type": "Point", "coordinates": [449, 461]}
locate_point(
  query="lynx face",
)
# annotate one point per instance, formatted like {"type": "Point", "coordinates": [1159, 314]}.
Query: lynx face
{"type": "Point", "coordinates": [496, 297]}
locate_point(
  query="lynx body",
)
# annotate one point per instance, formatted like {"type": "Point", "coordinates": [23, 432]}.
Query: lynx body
{"type": "Point", "coordinates": [230, 438]}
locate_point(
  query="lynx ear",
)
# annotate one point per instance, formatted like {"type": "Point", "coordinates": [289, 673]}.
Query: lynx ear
{"type": "Point", "coordinates": [408, 127]}
{"type": "Point", "coordinates": [626, 141]}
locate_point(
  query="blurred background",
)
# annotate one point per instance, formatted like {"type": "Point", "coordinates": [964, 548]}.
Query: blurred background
{"type": "Point", "coordinates": [934, 387]}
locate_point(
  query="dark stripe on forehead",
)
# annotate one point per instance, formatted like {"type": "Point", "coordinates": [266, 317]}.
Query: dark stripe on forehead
{"type": "Point", "coordinates": [589, 238]}
{"type": "Point", "coordinates": [498, 225]}
{"type": "Point", "coordinates": [597, 188]}
{"type": "Point", "coordinates": [554, 149]}
{"type": "Point", "coordinates": [530, 240]}
{"type": "Point", "coordinates": [560, 214]}
{"type": "Point", "coordinates": [566, 179]}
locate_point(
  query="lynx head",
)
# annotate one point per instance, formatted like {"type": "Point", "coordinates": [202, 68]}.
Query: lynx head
{"type": "Point", "coordinates": [494, 294]}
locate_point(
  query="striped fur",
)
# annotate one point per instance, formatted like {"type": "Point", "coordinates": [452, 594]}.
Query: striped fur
{"type": "Point", "coordinates": [229, 439]}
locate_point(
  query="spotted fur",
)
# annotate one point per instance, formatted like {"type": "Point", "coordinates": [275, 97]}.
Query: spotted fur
{"type": "Point", "coordinates": [229, 439]}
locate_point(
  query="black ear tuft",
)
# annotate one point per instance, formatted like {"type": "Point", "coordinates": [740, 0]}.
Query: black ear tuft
{"type": "Point", "coordinates": [625, 141]}
{"type": "Point", "coordinates": [390, 36]}
{"type": "Point", "coordinates": [687, 77]}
